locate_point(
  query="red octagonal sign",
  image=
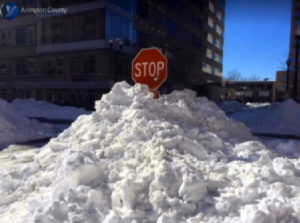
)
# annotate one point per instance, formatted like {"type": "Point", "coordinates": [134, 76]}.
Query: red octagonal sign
{"type": "Point", "coordinates": [150, 67]}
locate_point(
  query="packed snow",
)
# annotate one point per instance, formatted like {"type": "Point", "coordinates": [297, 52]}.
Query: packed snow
{"type": "Point", "coordinates": [140, 160]}
{"type": "Point", "coordinates": [15, 128]}
{"type": "Point", "coordinates": [232, 106]}
{"type": "Point", "coordinates": [257, 104]}
{"type": "Point", "coordinates": [283, 147]}
{"type": "Point", "coordinates": [42, 109]}
{"type": "Point", "coordinates": [278, 118]}
{"type": "Point", "coordinates": [235, 106]}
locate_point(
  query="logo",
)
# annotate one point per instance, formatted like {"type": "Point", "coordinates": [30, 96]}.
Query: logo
{"type": "Point", "coordinates": [9, 10]}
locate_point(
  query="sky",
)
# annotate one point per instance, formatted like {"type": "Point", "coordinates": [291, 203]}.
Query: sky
{"type": "Point", "coordinates": [257, 36]}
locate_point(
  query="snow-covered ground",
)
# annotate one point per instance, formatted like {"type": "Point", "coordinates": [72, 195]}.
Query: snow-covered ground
{"type": "Point", "coordinates": [235, 106]}
{"type": "Point", "coordinates": [15, 128]}
{"type": "Point", "coordinates": [278, 118]}
{"type": "Point", "coordinates": [42, 109]}
{"type": "Point", "coordinates": [140, 160]}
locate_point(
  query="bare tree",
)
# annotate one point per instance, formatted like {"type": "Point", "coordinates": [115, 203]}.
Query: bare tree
{"type": "Point", "coordinates": [254, 77]}
{"type": "Point", "coordinates": [234, 75]}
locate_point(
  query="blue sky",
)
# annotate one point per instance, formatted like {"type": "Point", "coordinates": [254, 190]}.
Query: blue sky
{"type": "Point", "coordinates": [256, 36]}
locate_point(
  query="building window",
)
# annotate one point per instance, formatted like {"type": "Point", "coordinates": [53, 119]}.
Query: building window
{"type": "Point", "coordinates": [67, 29]}
{"type": "Point", "coordinates": [210, 38]}
{"type": "Point", "coordinates": [118, 26]}
{"type": "Point", "coordinates": [210, 22]}
{"type": "Point", "coordinates": [218, 72]}
{"type": "Point", "coordinates": [46, 31]}
{"type": "Point", "coordinates": [206, 68]}
{"type": "Point", "coordinates": [25, 36]}
{"type": "Point", "coordinates": [173, 4]}
{"type": "Point", "coordinates": [4, 67]}
{"type": "Point", "coordinates": [4, 38]}
{"type": "Point", "coordinates": [219, 16]}
{"type": "Point", "coordinates": [142, 9]}
{"type": "Point", "coordinates": [218, 44]}
{"type": "Point", "coordinates": [89, 64]}
{"type": "Point", "coordinates": [197, 41]}
{"type": "Point", "coordinates": [171, 27]}
{"type": "Point", "coordinates": [78, 28]}
{"type": "Point", "coordinates": [209, 53]}
{"type": "Point", "coordinates": [283, 78]}
{"type": "Point", "coordinates": [217, 58]}
{"type": "Point", "coordinates": [48, 65]}
{"type": "Point", "coordinates": [60, 65]}
{"type": "Point", "coordinates": [211, 6]}
{"type": "Point", "coordinates": [56, 29]}
{"type": "Point", "coordinates": [81, 65]}
{"type": "Point", "coordinates": [219, 30]}
{"type": "Point", "coordinates": [159, 19]}
{"type": "Point", "coordinates": [25, 66]}
{"type": "Point", "coordinates": [283, 88]}
{"type": "Point", "coordinates": [198, 24]}
{"type": "Point", "coordinates": [90, 26]}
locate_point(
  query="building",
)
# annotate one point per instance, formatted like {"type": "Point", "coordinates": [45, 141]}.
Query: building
{"type": "Point", "coordinates": [73, 58]}
{"type": "Point", "coordinates": [251, 91]}
{"type": "Point", "coordinates": [294, 65]}
{"type": "Point", "coordinates": [281, 85]}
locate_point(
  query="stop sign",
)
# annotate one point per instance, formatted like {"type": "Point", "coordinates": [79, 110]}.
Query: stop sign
{"type": "Point", "coordinates": [150, 67]}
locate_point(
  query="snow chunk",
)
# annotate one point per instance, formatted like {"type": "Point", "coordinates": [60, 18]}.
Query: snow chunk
{"type": "Point", "coordinates": [15, 128]}
{"type": "Point", "coordinates": [42, 109]}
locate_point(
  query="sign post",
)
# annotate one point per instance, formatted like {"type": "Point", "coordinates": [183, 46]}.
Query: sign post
{"type": "Point", "coordinates": [150, 67]}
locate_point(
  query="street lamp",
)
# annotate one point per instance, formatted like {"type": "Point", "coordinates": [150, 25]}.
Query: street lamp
{"type": "Point", "coordinates": [115, 45]}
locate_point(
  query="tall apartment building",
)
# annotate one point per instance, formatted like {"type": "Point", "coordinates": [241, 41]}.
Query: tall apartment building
{"type": "Point", "coordinates": [73, 58]}
{"type": "Point", "coordinates": [294, 71]}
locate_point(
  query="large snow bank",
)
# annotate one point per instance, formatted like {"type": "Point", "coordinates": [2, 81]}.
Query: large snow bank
{"type": "Point", "coordinates": [14, 127]}
{"type": "Point", "coordinates": [42, 109]}
{"type": "Point", "coordinates": [136, 159]}
{"type": "Point", "coordinates": [278, 118]}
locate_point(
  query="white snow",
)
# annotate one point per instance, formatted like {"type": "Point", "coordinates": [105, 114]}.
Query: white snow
{"type": "Point", "coordinates": [42, 109]}
{"type": "Point", "coordinates": [258, 104]}
{"type": "Point", "coordinates": [232, 106]}
{"type": "Point", "coordinates": [278, 118]}
{"type": "Point", "coordinates": [235, 106]}
{"type": "Point", "coordinates": [140, 160]}
{"type": "Point", "coordinates": [284, 147]}
{"type": "Point", "coordinates": [14, 127]}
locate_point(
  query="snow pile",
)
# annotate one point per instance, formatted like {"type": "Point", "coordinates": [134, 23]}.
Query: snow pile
{"type": "Point", "coordinates": [232, 106]}
{"type": "Point", "coordinates": [140, 160]}
{"type": "Point", "coordinates": [42, 109]}
{"type": "Point", "coordinates": [257, 105]}
{"type": "Point", "coordinates": [278, 118]}
{"type": "Point", "coordinates": [16, 128]}
{"type": "Point", "coordinates": [284, 147]}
